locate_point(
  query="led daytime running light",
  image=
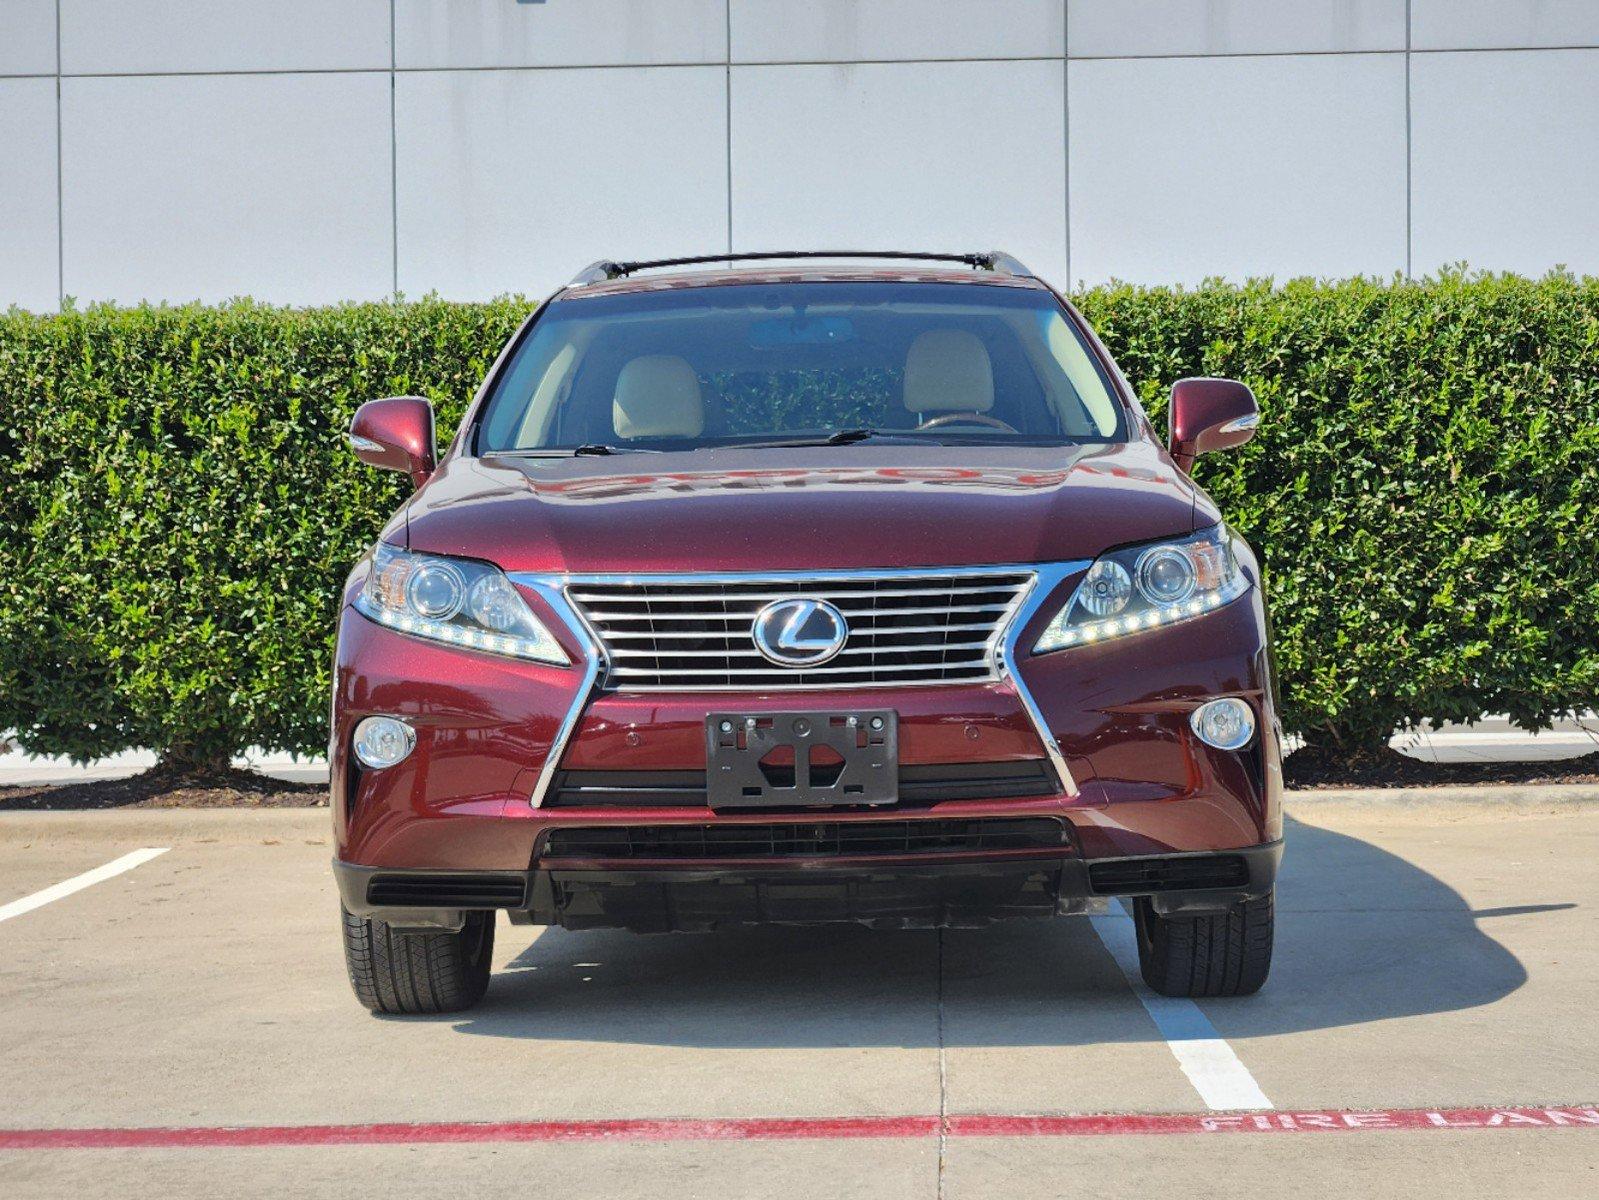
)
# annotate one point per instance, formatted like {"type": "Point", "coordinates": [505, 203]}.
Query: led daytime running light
{"type": "Point", "coordinates": [1096, 631]}
{"type": "Point", "coordinates": [460, 635]}
{"type": "Point", "coordinates": [1213, 579]}
{"type": "Point", "coordinates": [390, 597]}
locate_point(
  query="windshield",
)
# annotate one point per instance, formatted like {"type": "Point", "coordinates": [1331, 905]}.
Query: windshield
{"type": "Point", "coordinates": [795, 363]}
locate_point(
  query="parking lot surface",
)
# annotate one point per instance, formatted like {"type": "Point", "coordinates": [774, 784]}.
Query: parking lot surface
{"type": "Point", "coordinates": [181, 1025]}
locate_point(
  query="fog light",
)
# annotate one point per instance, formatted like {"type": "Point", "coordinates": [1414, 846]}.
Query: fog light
{"type": "Point", "coordinates": [1226, 724]}
{"type": "Point", "coordinates": [383, 741]}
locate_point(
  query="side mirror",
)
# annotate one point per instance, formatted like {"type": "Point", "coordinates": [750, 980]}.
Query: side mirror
{"type": "Point", "coordinates": [1210, 414]}
{"type": "Point", "coordinates": [397, 435]}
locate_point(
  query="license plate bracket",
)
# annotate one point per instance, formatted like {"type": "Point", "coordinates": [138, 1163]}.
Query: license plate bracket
{"type": "Point", "coordinates": [798, 759]}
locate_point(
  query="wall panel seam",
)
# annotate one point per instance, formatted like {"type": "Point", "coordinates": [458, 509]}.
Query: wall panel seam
{"type": "Point", "coordinates": [1409, 158]}
{"type": "Point", "coordinates": [798, 62]}
{"type": "Point", "coordinates": [394, 165]}
{"type": "Point", "coordinates": [61, 208]}
{"type": "Point", "coordinates": [727, 115]}
{"type": "Point", "coordinates": [1066, 131]}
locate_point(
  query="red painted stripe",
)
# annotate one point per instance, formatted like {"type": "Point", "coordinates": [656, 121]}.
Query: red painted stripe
{"type": "Point", "coordinates": [1275, 1121]}
{"type": "Point", "coordinates": [786, 1129]}
{"type": "Point", "coordinates": [664, 1130]}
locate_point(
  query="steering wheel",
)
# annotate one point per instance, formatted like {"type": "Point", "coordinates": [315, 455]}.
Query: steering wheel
{"type": "Point", "coordinates": [970, 418]}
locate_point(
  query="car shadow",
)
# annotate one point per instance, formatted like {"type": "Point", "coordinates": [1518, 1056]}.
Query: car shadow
{"type": "Point", "coordinates": [1362, 935]}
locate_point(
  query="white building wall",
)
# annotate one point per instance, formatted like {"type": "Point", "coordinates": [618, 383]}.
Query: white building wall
{"type": "Point", "coordinates": [303, 151]}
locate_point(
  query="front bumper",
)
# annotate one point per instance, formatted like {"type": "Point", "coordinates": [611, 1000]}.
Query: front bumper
{"type": "Point", "coordinates": [902, 895]}
{"type": "Point", "coordinates": [1134, 782]}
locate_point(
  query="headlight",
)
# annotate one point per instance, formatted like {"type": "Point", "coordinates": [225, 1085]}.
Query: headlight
{"type": "Point", "coordinates": [1130, 590]}
{"type": "Point", "coordinates": [454, 600]}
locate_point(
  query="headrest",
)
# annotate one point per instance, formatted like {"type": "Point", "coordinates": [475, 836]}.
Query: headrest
{"type": "Point", "coordinates": [947, 370]}
{"type": "Point", "coordinates": [657, 396]}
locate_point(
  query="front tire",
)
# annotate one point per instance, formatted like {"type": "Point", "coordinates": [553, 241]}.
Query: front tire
{"type": "Point", "coordinates": [1224, 955]}
{"type": "Point", "coordinates": [424, 972]}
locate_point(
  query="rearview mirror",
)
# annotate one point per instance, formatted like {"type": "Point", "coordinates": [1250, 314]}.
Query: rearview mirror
{"type": "Point", "coordinates": [396, 434]}
{"type": "Point", "coordinates": [1210, 414]}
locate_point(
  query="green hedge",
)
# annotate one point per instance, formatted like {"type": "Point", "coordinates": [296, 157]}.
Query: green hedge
{"type": "Point", "coordinates": [178, 506]}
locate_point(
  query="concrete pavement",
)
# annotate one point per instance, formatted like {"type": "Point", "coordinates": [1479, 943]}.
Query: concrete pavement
{"type": "Point", "coordinates": [1427, 959]}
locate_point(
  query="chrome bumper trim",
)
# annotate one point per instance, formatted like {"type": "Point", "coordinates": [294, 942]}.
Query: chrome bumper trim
{"type": "Point", "coordinates": [552, 590]}
{"type": "Point", "coordinates": [1047, 578]}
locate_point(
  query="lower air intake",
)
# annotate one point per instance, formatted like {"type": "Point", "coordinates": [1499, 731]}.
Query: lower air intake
{"type": "Point", "coordinates": [810, 839]}
{"type": "Point", "coordinates": [447, 891]}
{"type": "Point", "coordinates": [1137, 877]}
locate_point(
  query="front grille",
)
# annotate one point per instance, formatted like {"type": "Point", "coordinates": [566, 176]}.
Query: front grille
{"type": "Point", "coordinates": [918, 785]}
{"type": "Point", "coordinates": [688, 634]}
{"type": "Point", "coordinates": [1140, 876]}
{"type": "Point", "coordinates": [439, 890]}
{"type": "Point", "coordinates": [831, 839]}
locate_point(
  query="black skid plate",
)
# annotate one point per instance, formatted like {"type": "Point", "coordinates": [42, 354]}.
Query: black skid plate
{"type": "Point", "coordinates": [775, 760]}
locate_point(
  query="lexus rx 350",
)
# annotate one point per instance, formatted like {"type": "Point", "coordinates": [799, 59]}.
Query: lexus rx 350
{"type": "Point", "coordinates": [847, 590]}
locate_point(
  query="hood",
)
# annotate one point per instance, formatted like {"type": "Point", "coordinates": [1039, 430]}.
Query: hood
{"type": "Point", "coordinates": [803, 508]}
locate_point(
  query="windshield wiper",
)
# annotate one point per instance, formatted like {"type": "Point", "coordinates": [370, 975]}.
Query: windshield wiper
{"type": "Point", "coordinates": [587, 448]}
{"type": "Point", "coordinates": [841, 437]}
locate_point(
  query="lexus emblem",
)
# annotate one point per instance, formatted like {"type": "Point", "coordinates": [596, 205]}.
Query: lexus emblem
{"type": "Point", "coordinates": [799, 632]}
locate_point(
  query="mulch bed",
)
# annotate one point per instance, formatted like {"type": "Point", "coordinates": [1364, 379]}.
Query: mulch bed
{"type": "Point", "coordinates": [1314, 767]}
{"type": "Point", "coordinates": [1309, 768]}
{"type": "Point", "coordinates": [159, 788]}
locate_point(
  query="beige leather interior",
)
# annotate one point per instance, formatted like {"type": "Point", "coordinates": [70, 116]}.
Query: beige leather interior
{"type": "Point", "coordinates": [947, 370]}
{"type": "Point", "coordinates": [541, 409]}
{"type": "Point", "coordinates": [658, 396]}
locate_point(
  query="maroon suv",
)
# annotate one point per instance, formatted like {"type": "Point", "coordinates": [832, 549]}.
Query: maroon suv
{"type": "Point", "coordinates": [803, 595]}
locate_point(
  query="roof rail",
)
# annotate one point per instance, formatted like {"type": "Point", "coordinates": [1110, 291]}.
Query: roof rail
{"type": "Point", "coordinates": [992, 260]}
{"type": "Point", "coordinates": [1006, 264]}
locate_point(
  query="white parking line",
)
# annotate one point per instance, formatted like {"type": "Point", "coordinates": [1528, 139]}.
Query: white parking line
{"type": "Point", "coordinates": [1222, 1081]}
{"type": "Point", "coordinates": [77, 883]}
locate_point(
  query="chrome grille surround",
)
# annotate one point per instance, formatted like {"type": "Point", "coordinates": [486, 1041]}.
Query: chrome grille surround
{"type": "Point", "coordinates": [1045, 585]}
{"type": "Point", "coordinates": [906, 627]}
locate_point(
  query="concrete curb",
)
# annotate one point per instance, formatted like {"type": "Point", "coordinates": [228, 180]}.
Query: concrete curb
{"type": "Point", "coordinates": [1484, 793]}
{"type": "Point", "coordinates": [154, 825]}
{"type": "Point", "coordinates": [1459, 803]}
